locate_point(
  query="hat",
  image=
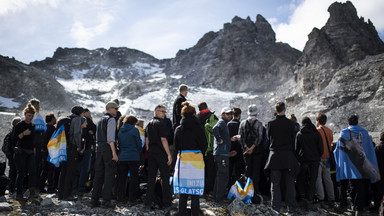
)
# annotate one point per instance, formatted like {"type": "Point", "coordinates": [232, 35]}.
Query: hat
{"type": "Point", "coordinates": [226, 110]}
{"type": "Point", "coordinates": [252, 110]}
{"type": "Point", "coordinates": [77, 110]}
{"type": "Point", "coordinates": [112, 104]}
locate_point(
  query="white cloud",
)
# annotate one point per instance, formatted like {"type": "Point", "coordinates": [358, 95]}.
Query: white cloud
{"type": "Point", "coordinates": [84, 35]}
{"type": "Point", "coordinates": [314, 13]}
{"type": "Point", "coordinates": [12, 6]}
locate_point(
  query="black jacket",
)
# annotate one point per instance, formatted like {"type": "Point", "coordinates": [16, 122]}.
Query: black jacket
{"type": "Point", "coordinates": [177, 110]}
{"type": "Point", "coordinates": [233, 127]}
{"type": "Point", "coordinates": [281, 134]}
{"type": "Point", "coordinates": [189, 135]}
{"type": "Point", "coordinates": [309, 144]}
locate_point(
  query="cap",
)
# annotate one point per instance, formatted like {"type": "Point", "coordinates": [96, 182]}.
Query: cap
{"type": "Point", "coordinates": [226, 110]}
{"type": "Point", "coordinates": [112, 104]}
{"type": "Point", "coordinates": [77, 110]}
{"type": "Point", "coordinates": [252, 110]}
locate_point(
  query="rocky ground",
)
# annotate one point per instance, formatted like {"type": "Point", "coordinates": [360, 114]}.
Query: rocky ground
{"type": "Point", "coordinates": [48, 204]}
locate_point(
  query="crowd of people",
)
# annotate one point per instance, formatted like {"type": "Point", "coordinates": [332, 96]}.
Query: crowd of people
{"type": "Point", "coordinates": [196, 154]}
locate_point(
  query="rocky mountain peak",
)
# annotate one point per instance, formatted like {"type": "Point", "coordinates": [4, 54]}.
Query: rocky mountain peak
{"type": "Point", "coordinates": [344, 39]}
{"type": "Point", "coordinates": [264, 30]}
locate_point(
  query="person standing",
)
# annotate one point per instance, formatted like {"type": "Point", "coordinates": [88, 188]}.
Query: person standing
{"type": "Point", "coordinates": [355, 163]}
{"type": "Point", "coordinates": [40, 129]}
{"type": "Point", "coordinates": [251, 138]}
{"type": "Point", "coordinates": [50, 121]}
{"type": "Point", "coordinates": [88, 135]}
{"type": "Point", "coordinates": [106, 157]}
{"type": "Point", "coordinates": [25, 162]}
{"type": "Point", "coordinates": [236, 160]}
{"type": "Point", "coordinates": [324, 174]}
{"type": "Point", "coordinates": [309, 148]}
{"type": "Point", "coordinates": [130, 145]}
{"type": "Point", "coordinates": [12, 172]}
{"type": "Point", "coordinates": [222, 146]}
{"type": "Point", "coordinates": [67, 179]}
{"type": "Point", "coordinates": [183, 91]}
{"type": "Point", "coordinates": [190, 141]}
{"type": "Point", "coordinates": [282, 162]}
{"type": "Point", "coordinates": [203, 116]}
{"type": "Point", "coordinates": [159, 157]}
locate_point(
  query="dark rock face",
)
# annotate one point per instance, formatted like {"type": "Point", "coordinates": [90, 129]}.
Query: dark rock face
{"type": "Point", "coordinates": [24, 82]}
{"type": "Point", "coordinates": [243, 56]}
{"type": "Point", "coordinates": [97, 64]}
{"type": "Point", "coordinates": [344, 39]}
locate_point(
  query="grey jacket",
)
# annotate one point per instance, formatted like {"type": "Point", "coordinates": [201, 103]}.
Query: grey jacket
{"type": "Point", "coordinates": [75, 131]}
{"type": "Point", "coordinates": [244, 130]}
{"type": "Point", "coordinates": [221, 132]}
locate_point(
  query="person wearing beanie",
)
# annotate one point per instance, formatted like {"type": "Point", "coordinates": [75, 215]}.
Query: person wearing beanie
{"type": "Point", "coordinates": [68, 169]}
{"type": "Point", "coordinates": [309, 148]}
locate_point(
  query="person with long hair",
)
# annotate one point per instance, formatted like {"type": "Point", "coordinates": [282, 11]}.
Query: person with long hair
{"type": "Point", "coordinates": [130, 145]}
{"type": "Point", "coordinates": [25, 152]}
{"type": "Point", "coordinates": [190, 143]}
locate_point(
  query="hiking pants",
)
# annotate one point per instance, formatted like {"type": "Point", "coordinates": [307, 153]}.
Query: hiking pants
{"type": "Point", "coordinates": [158, 161]}
{"type": "Point", "coordinates": [12, 173]}
{"type": "Point", "coordinates": [306, 181]}
{"type": "Point", "coordinates": [105, 171]}
{"type": "Point", "coordinates": [253, 169]}
{"type": "Point", "coordinates": [195, 204]}
{"type": "Point", "coordinates": [222, 177]}
{"type": "Point", "coordinates": [85, 167]}
{"type": "Point", "coordinates": [25, 163]}
{"type": "Point", "coordinates": [324, 175]}
{"type": "Point", "coordinates": [210, 173]}
{"type": "Point", "coordinates": [290, 193]}
{"type": "Point", "coordinates": [122, 172]}
{"type": "Point", "coordinates": [67, 174]}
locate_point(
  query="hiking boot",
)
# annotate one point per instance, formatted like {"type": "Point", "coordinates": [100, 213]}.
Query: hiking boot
{"type": "Point", "coordinates": [70, 198]}
{"type": "Point", "coordinates": [95, 203]}
{"type": "Point", "coordinates": [32, 193]}
{"type": "Point", "coordinates": [20, 197]}
{"type": "Point", "coordinates": [108, 204]}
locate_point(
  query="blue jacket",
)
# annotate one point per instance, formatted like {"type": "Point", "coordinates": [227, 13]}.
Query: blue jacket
{"type": "Point", "coordinates": [221, 132]}
{"type": "Point", "coordinates": [130, 143]}
{"type": "Point", "coordinates": [358, 162]}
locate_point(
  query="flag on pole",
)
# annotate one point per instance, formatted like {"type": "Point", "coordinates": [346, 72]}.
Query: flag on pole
{"type": "Point", "coordinates": [57, 147]}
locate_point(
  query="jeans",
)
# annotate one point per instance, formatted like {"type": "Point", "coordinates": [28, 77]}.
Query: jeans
{"type": "Point", "coordinates": [222, 177]}
{"type": "Point", "coordinates": [195, 204]}
{"type": "Point", "coordinates": [25, 163]}
{"type": "Point", "coordinates": [85, 167]}
{"type": "Point", "coordinates": [324, 175]}
{"type": "Point", "coordinates": [290, 193]}
{"type": "Point", "coordinates": [12, 173]}
{"type": "Point", "coordinates": [105, 171]}
{"type": "Point", "coordinates": [123, 168]}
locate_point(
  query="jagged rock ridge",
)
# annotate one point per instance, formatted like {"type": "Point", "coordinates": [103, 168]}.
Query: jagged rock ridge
{"type": "Point", "coordinates": [243, 56]}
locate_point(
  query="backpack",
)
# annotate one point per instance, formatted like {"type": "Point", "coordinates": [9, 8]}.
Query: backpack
{"type": "Point", "coordinates": [250, 134]}
{"type": "Point", "coordinates": [8, 144]}
{"type": "Point", "coordinates": [67, 125]}
{"type": "Point", "coordinates": [209, 133]}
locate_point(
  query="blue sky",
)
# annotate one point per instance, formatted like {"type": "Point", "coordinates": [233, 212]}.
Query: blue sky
{"type": "Point", "coordinates": [32, 29]}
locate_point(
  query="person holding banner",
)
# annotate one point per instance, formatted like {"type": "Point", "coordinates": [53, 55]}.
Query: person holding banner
{"type": "Point", "coordinates": [190, 143]}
